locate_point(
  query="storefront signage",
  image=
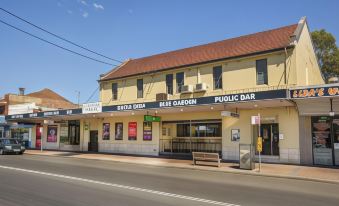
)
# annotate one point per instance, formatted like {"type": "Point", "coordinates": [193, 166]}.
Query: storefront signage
{"type": "Point", "coordinates": [255, 120]}
{"type": "Point", "coordinates": [52, 133]}
{"type": "Point", "coordinates": [95, 107]}
{"type": "Point", "coordinates": [315, 92]}
{"type": "Point", "coordinates": [229, 114]}
{"type": "Point", "coordinates": [132, 131]}
{"type": "Point", "coordinates": [147, 131]}
{"type": "Point", "coordinates": [149, 118]}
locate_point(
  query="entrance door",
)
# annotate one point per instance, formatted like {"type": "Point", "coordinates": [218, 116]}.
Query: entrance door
{"type": "Point", "coordinates": [270, 135]}
{"type": "Point", "coordinates": [93, 141]}
{"type": "Point", "coordinates": [322, 141]}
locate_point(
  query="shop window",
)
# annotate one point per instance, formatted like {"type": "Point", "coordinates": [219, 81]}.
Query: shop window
{"type": "Point", "coordinates": [261, 69]}
{"type": "Point", "coordinates": [140, 88]}
{"type": "Point", "coordinates": [114, 91]}
{"type": "Point", "coordinates": [180, 81]}
{"type": "Point", "coordinates": [74, 132]}
{"type": "Point", "coordinates": [169, 83]}
{"type": "Point", "coordinates": [199, 130]}
{"type": "Point", "coordinates": [217, 77]}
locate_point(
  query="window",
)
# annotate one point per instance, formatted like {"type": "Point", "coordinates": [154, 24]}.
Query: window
{"type": "Point", "coordinates": [180, 81]}
{"type": "Point", "coordinates": [2, 110]}
{"type": "Point", "coordinates": [140, 87]}
{"type": "Point", "coordinates": [261, 67]}
{"type": "Point", "coordinates": [199, 130]}
{"type": "Point", "coordinates": [114, 91]}
{"type": "Point", "coordinates": [169, 83]}
{"type": "Point", "coordinates": [217, 77]}
{"type": "Point", "coordinates": [74, 132]}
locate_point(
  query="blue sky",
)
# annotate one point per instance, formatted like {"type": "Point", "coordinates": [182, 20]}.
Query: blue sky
{"type": "Point", "coordinates": [125, 29]}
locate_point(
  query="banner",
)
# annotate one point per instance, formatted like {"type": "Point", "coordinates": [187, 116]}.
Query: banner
{"type": "Point", "coordinates": [147, 131]}
{"type": "Point", "coordinates": [106, 131]}
{"type": "Point", "coordinates": [119, 128]}
{"type": "Point", "coordinates": [132, 131]}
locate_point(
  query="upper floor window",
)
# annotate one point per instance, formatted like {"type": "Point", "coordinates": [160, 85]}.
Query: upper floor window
{"type": "Point", "coordinates": [140, 88]}
{"type": "Point", "coordinates": [261, 68]}
{"type": "Point", "coordinates": [180, 81]}
{"type": "Point", "coordinates": [169, 83]}
{"type": "Point", "coordinates": [217, 77]}
{"type": "Point", "coordinates": [114, 91]}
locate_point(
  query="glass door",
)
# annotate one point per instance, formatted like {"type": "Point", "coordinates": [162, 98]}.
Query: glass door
{"type": "Point", "coordinates": [321, 140]}
{"type": "Point", "coordinates": [270, 136]}
{"type": "Point", "coordinates": [336, 140]}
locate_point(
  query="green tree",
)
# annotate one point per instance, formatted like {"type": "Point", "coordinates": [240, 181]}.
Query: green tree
{"type": "Point", "coordinates": [327, 52]}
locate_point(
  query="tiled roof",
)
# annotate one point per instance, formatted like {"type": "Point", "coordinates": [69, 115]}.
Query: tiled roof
{"type": "Point", "coordinates": [230, 48]}
{"type": "Point", "coordinates": [51, 99]}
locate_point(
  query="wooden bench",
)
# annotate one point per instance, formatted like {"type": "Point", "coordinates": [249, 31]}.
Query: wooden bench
{"type": "Point", "coordinates": [205, 157]}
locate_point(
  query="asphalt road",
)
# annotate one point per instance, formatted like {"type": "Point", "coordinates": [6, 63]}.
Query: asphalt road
{"type": "Point", "coordinates": [42, 180]}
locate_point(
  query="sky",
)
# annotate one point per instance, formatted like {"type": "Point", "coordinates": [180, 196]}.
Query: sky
{"type": "Point", "coordinates": [123, 29]}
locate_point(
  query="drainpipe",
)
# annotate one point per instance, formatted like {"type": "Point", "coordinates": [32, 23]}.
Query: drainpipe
{"type": "Point", "coordinates": [285, 67]}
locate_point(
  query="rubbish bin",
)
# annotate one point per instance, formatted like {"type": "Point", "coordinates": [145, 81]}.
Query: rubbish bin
{"type": "Point", "coordinates": [246, 156]}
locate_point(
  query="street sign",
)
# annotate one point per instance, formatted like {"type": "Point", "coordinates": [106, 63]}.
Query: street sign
{"type": "Point", "coordinates": [255, 120]}
{"type": "Point", "coordinates": [229, 114]}
{"type": "Point", "coordinates": [259, 144]}
{"type": "Point", "coordinates": [150, 118]}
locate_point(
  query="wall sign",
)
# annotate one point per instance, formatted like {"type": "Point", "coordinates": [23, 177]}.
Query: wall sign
{"type": "Point", "coordinates": [314, 92]}
{"type": "Point", "coordinates": [150, 118]}
{"type": "Point", "coordinates": [95, 107]}
{"type": "Point", "coordinates": [52, 133]}
{"type": "Point", "coordinates": [235, 135]}
{"type": "Point", "coordinates": [105, 131]}
{"type": "Point", "coordinates": [132, 131]}
{"type": "Point", "coordinates": [147, 131]}
{"type": "Point", "coordinates": [119, 129]}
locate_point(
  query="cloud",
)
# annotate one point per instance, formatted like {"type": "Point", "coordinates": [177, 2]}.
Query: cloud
{"type": "Point", "coordinates": [83, 2]}
{"type": "Point", "coordinates": [98, 6]}
{"type": "Point", "coordinates": [85, 14]}
{"type": "Point", "coordinates": [69, 11]}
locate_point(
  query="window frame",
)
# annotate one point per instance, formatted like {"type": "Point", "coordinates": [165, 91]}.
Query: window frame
{"type": "Point", "coordinates": [178, 84]}
{"type": "Point", "coordinates": [169, 83]}
{"type": "Point", "coordinates": [217, 81]}
{"type": "Point", "coordinates": [140, 88]}
{"type": "Point", "coordinates": [115, 91]}
{"type": "Point", "coordinates": [263, 71]}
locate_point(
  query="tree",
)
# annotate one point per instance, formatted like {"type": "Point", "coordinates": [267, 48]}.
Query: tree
{"type": "Point", "coordinates": [327, 52]}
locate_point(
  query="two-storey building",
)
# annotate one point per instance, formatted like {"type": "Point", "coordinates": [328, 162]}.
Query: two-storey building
{"type": "Point", "coordinates": [201, 98]}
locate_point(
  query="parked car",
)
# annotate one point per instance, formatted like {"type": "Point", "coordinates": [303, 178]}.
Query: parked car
{"type": "Point", "coordinates": [8, 145]}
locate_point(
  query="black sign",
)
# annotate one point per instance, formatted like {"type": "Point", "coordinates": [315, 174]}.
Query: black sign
{"type": "Point", "coordinates": [222, 99]}
{"type": "Point", "coordinates": [313, 92]}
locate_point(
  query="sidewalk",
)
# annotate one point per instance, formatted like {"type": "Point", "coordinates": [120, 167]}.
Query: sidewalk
{"type": "Point", "coordinates": [274, 170]}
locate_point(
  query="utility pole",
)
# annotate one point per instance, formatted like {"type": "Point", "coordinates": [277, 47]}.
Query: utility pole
{"type": "Point", "coordinates": [78, 97]}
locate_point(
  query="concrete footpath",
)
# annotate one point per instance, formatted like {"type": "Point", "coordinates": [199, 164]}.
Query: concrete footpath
{"type": "Point", "coordinates": [322, 174]}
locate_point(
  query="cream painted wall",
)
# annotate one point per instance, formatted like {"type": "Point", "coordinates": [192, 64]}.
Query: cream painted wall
{"type": "Point", "coordinates": [237, 75]}
{"type": "Point", "coordinates": [308, 71]}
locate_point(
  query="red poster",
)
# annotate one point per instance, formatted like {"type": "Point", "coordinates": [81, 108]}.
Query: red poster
{"type": "Point", "coordinates": [132, 131]}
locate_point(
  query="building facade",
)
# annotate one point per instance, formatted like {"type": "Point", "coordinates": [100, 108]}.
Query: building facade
{"type": "Point", "coordinates": [197, 99]}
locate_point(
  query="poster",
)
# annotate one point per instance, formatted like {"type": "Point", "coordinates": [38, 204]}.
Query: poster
{"type": "Point", "coordinates": [52, 133]}
{"type": "Point", "coordinates": [119, 131]}
{"type": "Point", "coordinates": [132, 131]}
{"type": "Point", "coordinates": [148, 131]}
{"type": "Point", "coordinates": [235, 135]}
{"type": "Point", "coordinates": [106, 131]}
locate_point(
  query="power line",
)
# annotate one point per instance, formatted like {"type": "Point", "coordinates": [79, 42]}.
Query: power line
{"type": "Point", "coordinates": [58, 36]}
{"type": "Point", "coordinates": [46, 41]}
{"type": "Point", "coordinates": [92, 94]}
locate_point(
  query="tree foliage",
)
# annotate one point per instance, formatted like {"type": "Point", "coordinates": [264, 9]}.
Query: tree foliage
{"type": "Point", "coordinates": [327, 52]}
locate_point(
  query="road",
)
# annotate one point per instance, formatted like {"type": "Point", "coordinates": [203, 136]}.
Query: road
{"type": "Point", "coordinates": [43, 180]}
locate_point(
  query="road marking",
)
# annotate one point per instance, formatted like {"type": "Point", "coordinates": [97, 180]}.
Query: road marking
{"type": "Point", "coordinates": [121, 186]}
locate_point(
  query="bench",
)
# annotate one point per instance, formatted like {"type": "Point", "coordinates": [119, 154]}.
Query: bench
{"type": "Point", "coordinates": [205, 157]}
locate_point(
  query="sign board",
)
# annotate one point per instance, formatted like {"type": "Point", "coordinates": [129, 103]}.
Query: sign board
{"type": "Point", "coordinates": [132, 131]}
{"type": "Point", "coordinates": [255, 120]}
{"type": "Point", "coordinates": [336, 145]}
{"type": "Point", "coordinates": [95, 107]}
{"type": "Point", "coordinates": [281, 136]}
{"type": "Point", "coordinates": [47, 121]}
{"type": "Point", "coordinates": [229, 114]}
{"type": "Point", "coordinates": [259, 144]}
{"type": "Point", "coordinates": [312, 92]}
{"type": "Point", "coordinates": [149, 118]}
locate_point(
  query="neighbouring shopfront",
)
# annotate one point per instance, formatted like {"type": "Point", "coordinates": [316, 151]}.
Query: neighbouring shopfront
{"type": "Point", "coordinates": [318, 108]}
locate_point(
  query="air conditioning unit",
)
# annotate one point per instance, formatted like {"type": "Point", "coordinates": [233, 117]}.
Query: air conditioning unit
{"type": "Point", "coordinates": [187, 89]}
{"type": "Point", "coordinates": [200, 87]}
{"type": "Point", "coordinates": [161, 97]}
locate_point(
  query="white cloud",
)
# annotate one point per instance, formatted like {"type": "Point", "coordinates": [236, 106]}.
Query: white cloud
{"type": "Point", "coordinates": [98, 6]}
{"type": "Point", "coordinates": [85, 14]}
{"type": "Point", "coordinates": [83, 2]}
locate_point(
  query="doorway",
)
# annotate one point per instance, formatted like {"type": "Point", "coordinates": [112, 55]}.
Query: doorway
{"type": "Point", "coordinates": [270, 136]}
{"type": "Point", "coordinates": [93, 141]}
{"type": "Point", "coordinates": [38, 136]}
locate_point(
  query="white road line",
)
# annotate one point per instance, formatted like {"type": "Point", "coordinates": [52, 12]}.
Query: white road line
{"type": "Point", "coordinates": [120, 186]}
